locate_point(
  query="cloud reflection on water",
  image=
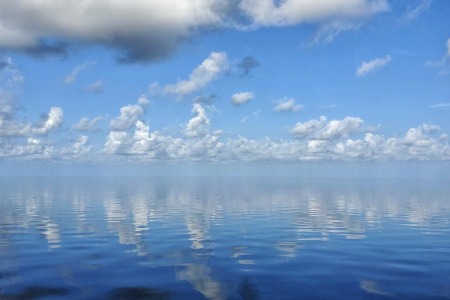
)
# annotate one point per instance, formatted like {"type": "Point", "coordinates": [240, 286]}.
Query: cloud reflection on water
{"type": "Point", "coordinates": [189, 222]}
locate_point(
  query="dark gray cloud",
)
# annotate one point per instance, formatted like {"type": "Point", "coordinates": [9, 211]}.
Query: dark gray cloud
{"type": "Point", "coordinates": [139, 31]}
{"type": "Point", "coordinates": [208, 100]}
{"type": "Point", "coordinates": [45, 49]}
{"type": "Point", "coordinates": [4, 64]}
{"type": "Point", "coordinates": [148, 30]}
{"type": "Point", "coordinates": [247, 64]}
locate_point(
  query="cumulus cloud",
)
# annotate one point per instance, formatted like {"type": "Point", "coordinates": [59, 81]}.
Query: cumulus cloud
{"type": "Point", "coordinates": [78, 149]}
{"type": "Point", "coordinates": [418, 144]}
{"type": "Point", "coordinates": [72, 76]}
{"type": "Point", "coordinates": [324, 130]}
{"type": "Point", "coordinates": [197, 125]}
{"type": "Point", "coordinates": [51, 120]}
{"type": "Point", "coordinates": [287, 105]}
{"type": "Point", "coordinates": [32, 149]}
{"type": "Point", "coordinates": [373, 65]}
{"type": "Point", "coordinates": [129, 115]}
{"type": "Point", "coordinates": [443, 63]}
{"type": "Point", "coordinates": [148, 30]}
{"type": "Point", "coordinates": [86, 124]}
{"type": "Point", "coordinates": [199, 143]}
{"type": "Point", "coordinates": [241, 98]}
{"type": "Point", "coordinates": [321, 139]}
{"type": "Point", "coordinates": [203, 74]}
{"type": "Point", "coordinates": [10, 126]}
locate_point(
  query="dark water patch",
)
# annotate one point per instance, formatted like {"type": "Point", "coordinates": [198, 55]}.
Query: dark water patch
{"type": "Point", "coordinates": [36, 292]}
{"type": "Point", "coordinates": [6, 275]}
{"type": "Point", "coordinates": [137, 293]}
{"type": "Point", "coordinates": [247, 290]}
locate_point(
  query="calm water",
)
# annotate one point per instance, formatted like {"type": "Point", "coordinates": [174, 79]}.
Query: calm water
{"type": "Point", "coordinates": [224, 238]}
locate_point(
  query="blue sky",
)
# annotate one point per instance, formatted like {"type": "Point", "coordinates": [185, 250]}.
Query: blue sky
{"type": "Point", "coordinates": [224, 81]}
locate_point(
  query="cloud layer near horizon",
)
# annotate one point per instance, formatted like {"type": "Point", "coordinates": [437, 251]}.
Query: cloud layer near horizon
{"type": "Point", "coordinates": [149, 30]}
{"type": "Point", "coordinates": [130, 138]}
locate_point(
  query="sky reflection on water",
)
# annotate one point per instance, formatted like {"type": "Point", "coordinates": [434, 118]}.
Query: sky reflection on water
{"type": "Point", "coordinates": [224, 238]}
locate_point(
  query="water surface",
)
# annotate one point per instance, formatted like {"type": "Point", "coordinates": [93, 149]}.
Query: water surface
{"type": "Point", "coordinates": [224, 238]}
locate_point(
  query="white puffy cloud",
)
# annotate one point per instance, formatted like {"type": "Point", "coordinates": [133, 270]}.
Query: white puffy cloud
{"type": "Point", "coordinates": [116, 141]}
{"type": "Point", "coordinates": [341, 128]}
{"type": "Point", "coordinates": [10, 126]}
{"type": "Point", "coordinates": [290, 12]}
{"type": "Point", "coordinates": [203, 74]}
{"type": "Point", "coordinates": [153, 146]}
{"type": "Point", "coordinates": [199, 122]}
{"type": "Point", "coordinates": [129, 115]}
{"type": "Point", "coordinates": [417, 144]}
{"type": "Point", "coordinates": [323, 130]}
{"type": "Point", "coordinates": [319, 139]}
{"type": "Point", "coordinates": [52, 120]}
{"type": "Point", "coordinates": [308, 128]}
{"type": "Point", "coordinates": [79, 148]}
{"type": "Point", "coordinates": [86, 124]}
{"type": "Point", "coordinates": [241, 98]}
{"type": "Point", "coordinates": [373, 65]}
{"type": "Point", "coordinates": [32, 149]}
{"type": "Point", "coordinates": [287, 105]}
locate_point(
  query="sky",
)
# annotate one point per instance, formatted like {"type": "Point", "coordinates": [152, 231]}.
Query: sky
{"type": "Point", "coordinates": [112, 81]}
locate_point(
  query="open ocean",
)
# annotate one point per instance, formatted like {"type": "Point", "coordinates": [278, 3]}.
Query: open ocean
{"type": "Point", "coordinates": [224, 238]}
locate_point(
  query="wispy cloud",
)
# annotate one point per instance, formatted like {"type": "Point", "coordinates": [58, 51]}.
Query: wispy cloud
{"type": "Point", "coordinates": [443, 63]}
{"type": "Point", "coordinates": [97, 87]}
{"type": "Point", "coordinates": [372, 65]}
{"type": "Point", "coordinates": [327, 106]}
{"type": "Point", "coordinates": [440, 105]}
{"type": "Point", "coordinates": [13, 74]}
{"type": "Point", "coordinates": [72, 76]}
{"type": "Point", "coordinates": [327, 32]}
{"type": "Point", "coordinates": [414, 11]}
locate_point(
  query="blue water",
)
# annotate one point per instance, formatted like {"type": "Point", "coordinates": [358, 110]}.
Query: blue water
{"type": "Point", "coordinates": [224, 238]}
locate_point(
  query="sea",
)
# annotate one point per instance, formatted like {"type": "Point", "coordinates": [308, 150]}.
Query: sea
{"type": "Point", "coordinates": [224, 237]}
